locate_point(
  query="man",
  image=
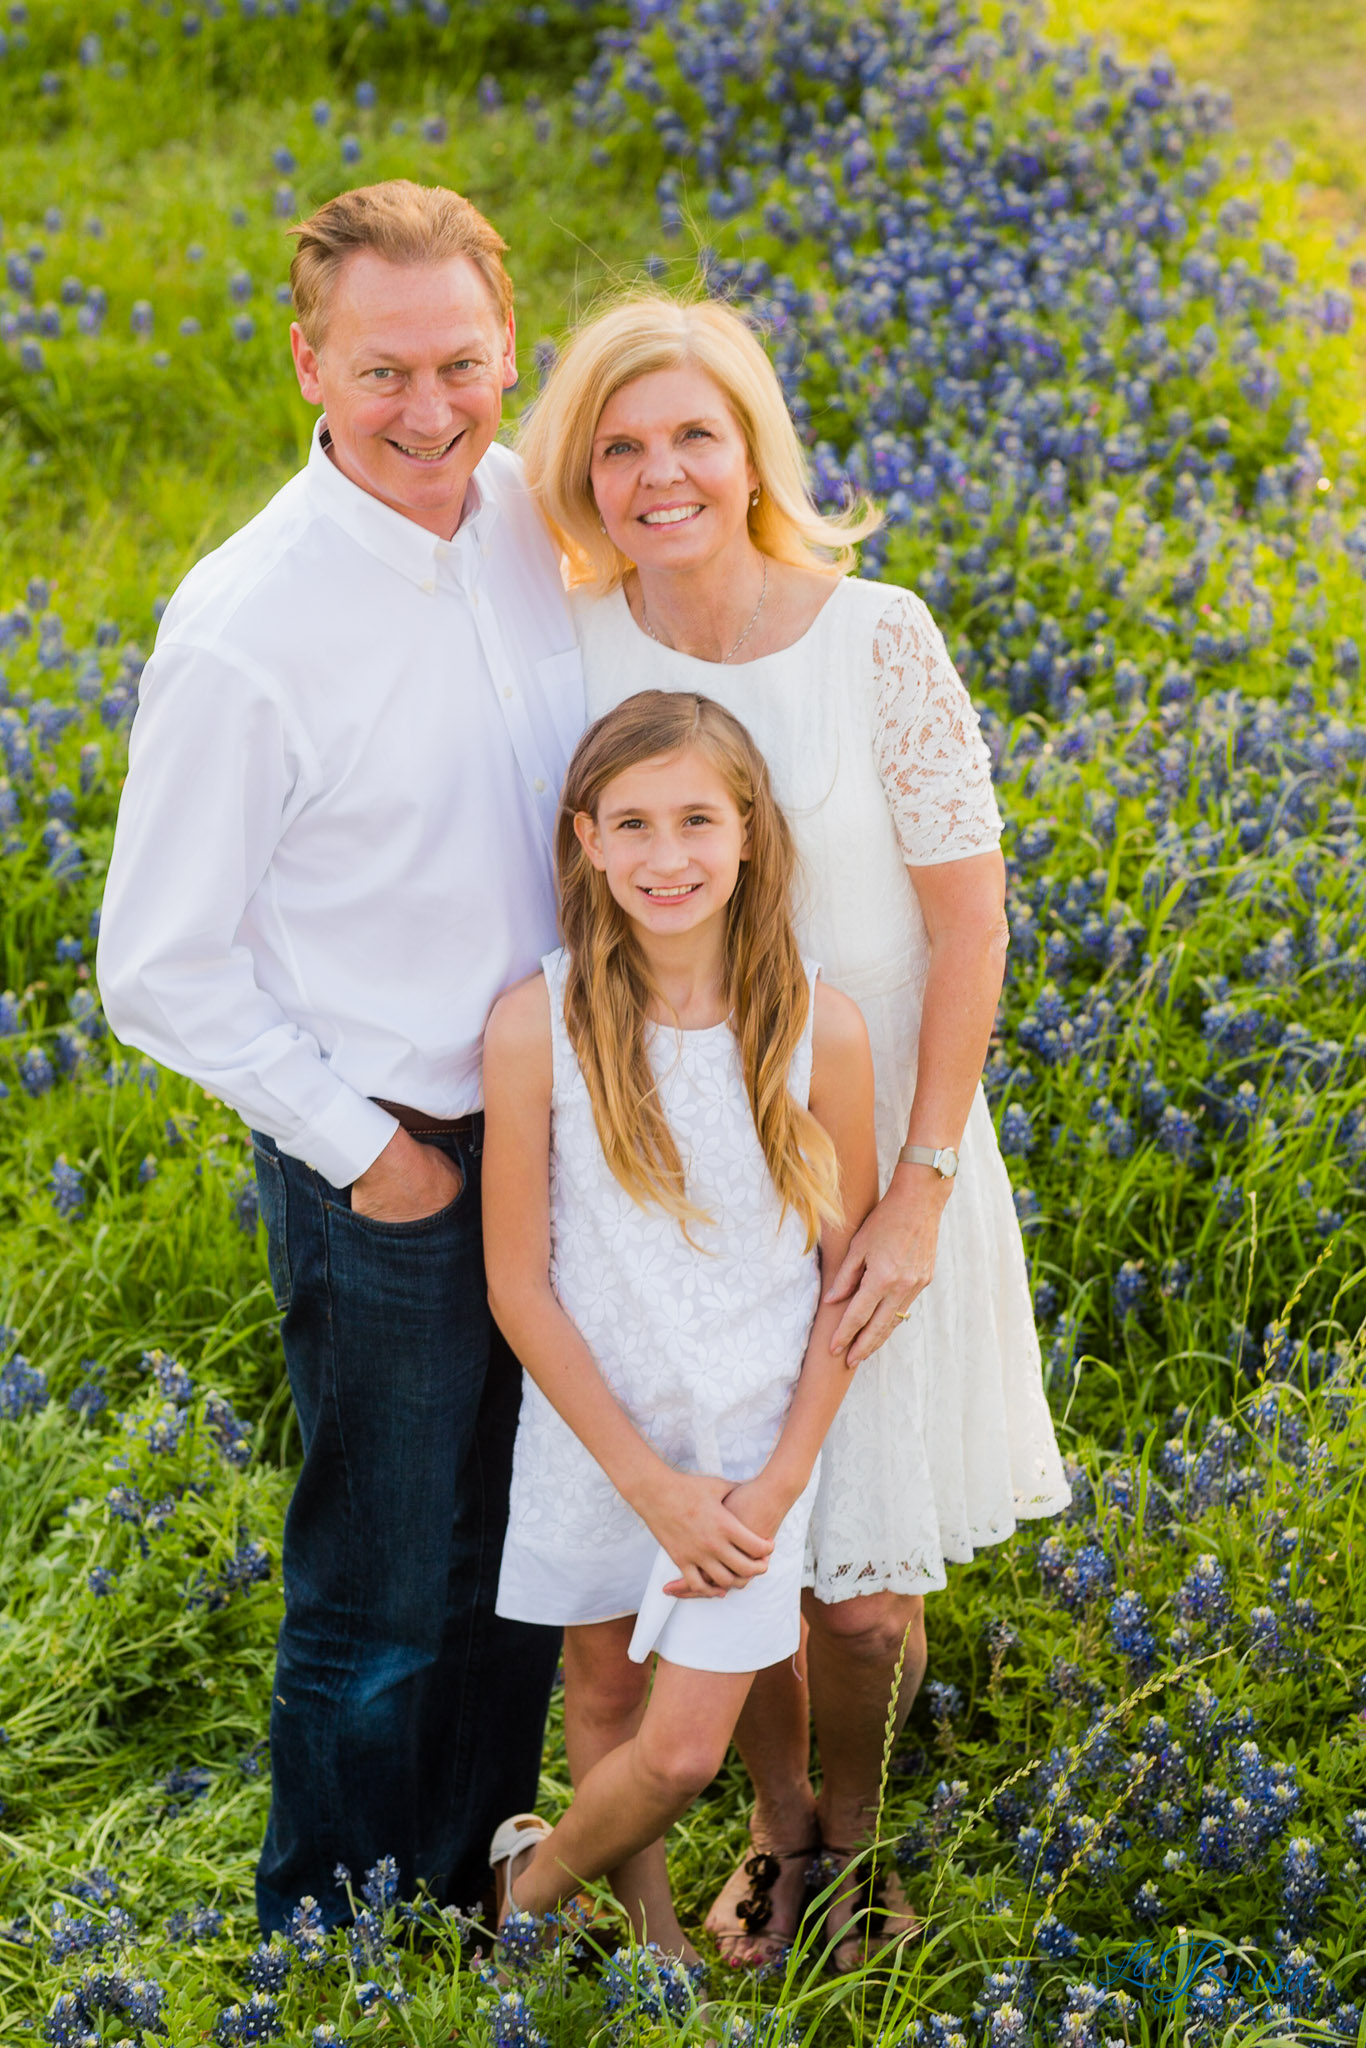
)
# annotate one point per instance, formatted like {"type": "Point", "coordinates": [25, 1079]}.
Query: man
{"type": "Point", "coordinates": [333, 852]}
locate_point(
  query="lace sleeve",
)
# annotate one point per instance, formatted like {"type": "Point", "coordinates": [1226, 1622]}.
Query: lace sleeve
{"type": "Point", "coordinates": [932, 758]}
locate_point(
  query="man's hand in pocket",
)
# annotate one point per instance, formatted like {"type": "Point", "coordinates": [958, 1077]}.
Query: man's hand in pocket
{"type": "Point", "coordinates": [408, 1181]}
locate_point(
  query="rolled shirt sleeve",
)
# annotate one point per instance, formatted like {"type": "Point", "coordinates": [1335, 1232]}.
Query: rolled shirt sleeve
{"type": "Point", "coordinates": [215, 777]}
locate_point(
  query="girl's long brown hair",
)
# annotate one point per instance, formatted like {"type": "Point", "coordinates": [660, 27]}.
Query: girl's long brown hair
{"type": "Point", "coordinates": [608, 990]}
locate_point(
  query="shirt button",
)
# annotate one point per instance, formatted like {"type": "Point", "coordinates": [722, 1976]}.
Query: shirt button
{"type": "Point", "coordinates": [429, 586]}
{"type": "Point", "coordinates": [539, 785]}
{"type": "Point", "coordinates": [507, 689]}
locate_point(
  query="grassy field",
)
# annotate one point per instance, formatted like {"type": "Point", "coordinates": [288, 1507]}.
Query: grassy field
{"type": "Point", "coordinates": [1296, 70]}
{"type": "Point", "coordinates": [1100, 358]}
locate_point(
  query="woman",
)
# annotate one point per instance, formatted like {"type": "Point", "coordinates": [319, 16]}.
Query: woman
{"type": "Point", "coordinates": [665, 459]}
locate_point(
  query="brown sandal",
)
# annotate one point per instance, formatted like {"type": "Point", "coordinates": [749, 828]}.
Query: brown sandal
{"type": "Point", "coordinates": [874, 1926]}
{"type": "Point", "coordinates": [754, 1878]}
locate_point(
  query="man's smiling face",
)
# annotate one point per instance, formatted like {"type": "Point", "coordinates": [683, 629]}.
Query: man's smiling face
{"type": "Point", "coordinates": [411, 372]}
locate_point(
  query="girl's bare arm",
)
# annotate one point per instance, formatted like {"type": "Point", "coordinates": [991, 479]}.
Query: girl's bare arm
{"type": "Point", "coordinates": [842, 1101]}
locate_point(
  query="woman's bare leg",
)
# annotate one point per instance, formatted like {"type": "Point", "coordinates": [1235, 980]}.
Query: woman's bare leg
{"type": "Point", "coordinates": [604, 1702]}
{"type": "Point", "coordinates": [773, 1738]}
{"type": "Point", "coordinates": [633, 1794]}
{"type": "Point", "coordinates": [853, 1652]}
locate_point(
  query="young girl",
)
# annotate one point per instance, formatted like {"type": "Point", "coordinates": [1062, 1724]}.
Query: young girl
{"type": "Point", "coordinates": [679, 1138]}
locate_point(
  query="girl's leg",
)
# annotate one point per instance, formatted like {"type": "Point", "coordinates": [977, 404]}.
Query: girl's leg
{"type": "Point", "coordinates": [854, 1649]}
{"type": "Point", "coordinates": [604, 1702]}
{"type": "Point", "coordinates": [773, 1738]}
{"type": "Point", "coordinates": [638, 1790]}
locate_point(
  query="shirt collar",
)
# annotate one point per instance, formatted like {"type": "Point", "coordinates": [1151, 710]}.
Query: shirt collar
{"type": "Point", "coordinates": [397, 541]}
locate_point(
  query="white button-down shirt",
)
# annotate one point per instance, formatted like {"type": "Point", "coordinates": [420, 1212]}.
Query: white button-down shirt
{"type": "Point", "coordinates": [334, 846]}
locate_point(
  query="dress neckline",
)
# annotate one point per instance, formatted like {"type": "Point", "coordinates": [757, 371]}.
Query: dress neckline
{"type": "Point", "coordinates": [618, 596]}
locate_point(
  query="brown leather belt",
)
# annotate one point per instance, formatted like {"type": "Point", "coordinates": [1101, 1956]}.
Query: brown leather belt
{"type": "Point", "coordinates": [419, 1124]}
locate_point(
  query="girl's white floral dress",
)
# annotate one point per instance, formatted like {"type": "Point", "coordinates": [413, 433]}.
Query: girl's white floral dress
{"type": "Point", "coordinates": [944, 1441]}
{"type": "Point", "coordinates": [702, 1344]}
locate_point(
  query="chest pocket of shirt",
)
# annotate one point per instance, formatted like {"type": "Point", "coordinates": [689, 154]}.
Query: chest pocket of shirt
{"type": "Point", "coordinates": [561, 680]}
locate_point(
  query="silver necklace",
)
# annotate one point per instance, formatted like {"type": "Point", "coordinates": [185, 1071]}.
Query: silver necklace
{"type": "Point", "coordinates": [645, 621]}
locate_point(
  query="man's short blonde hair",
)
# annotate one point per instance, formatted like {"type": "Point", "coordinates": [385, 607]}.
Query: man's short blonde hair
{"type": "Point", "coordinates": [404, 222]}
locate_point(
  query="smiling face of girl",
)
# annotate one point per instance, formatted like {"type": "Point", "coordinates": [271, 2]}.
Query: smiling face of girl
{"type": "Point", "coordinates": [670, 471]}
{"type": "Point", "coordinates": [670, 840]}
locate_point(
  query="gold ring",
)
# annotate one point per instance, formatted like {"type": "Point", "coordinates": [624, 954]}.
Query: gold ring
{"type": "Point", "coordinates": [903, 1315]}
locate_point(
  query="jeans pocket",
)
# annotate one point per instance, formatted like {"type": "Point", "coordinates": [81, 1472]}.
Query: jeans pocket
{"type": "Point", "coordinates": [418, 1226]}
{"type": "Point", "coordinates": [274, 1203]}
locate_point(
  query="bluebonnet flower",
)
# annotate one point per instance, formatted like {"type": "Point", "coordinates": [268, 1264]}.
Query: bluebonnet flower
{"type": "Point", "coordinates": [379, 1888]}
{"type": "Point", "coordinates": [95, 1887]}
{"type": "Point", "coordinates": [1130, 1631]}
{"type": "Point", "coordinates": [1202, 1595]}
{"type": "Point", "coordinates": [172, 1381]}
{"type": "Point", "coordinates": [1078, 1578]}
{"type": "Point", "coordinates": [68, 2023]}
{"type": "Point", "coordinates": [350, 149]}
{"type": "Point", "coordinates": [35, 1071]}
{"type": "Point", "coordinates": [197, 1923]}
{"type": "Point", "coordinates": [1178, 1133]}
{"type": "Point", "coordinates": [944, 1701]}
{"type": "Point", "coordinates": [1303, 1881]}
{"type": "Point", "coordinates": [23, 1389]}
{"type": "Point", "coordinates": [190, 1781]}
{"type": "Point", "coordinates": [1264, 1635]}
{"type": "Point", "coordinates": [1129, 1289]}
{"type": "Point", "coordinates": [268, 1966]}
{"type": "Point", "coordinates": [938, 2030]}
{"type": "Point", "coordinates": [1054, 1939]}
{"type": "Point", "coordinates": [246, 1205]}
{"type": "Point", "coordinates": [74, 1934]}
{"type": "Point", "coordinates": [101, 1581]}
{"type": "Point", "coordinates": [258, 2019]}
{"type": "Point", "coordinates": [148, 1169]}
{"type": "Point", "coordinates": [512, 2023]}
{"type": "Point", "coordinates": [307, 1935]}
{"type": "Point", "coordinates": [321, 111]}
{"type": "Point", "coordinates": [1017, 1132]}
{"type": "Point", "coordinates": [227, 1431]}
{"type": "Point", "coordinates": [522, 1940]}
{"type": "Point", "coordinates": [1148, 1902]}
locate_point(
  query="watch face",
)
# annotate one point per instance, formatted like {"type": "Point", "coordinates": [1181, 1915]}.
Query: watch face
{"type": "Point", "coordinates": [947, 1162]}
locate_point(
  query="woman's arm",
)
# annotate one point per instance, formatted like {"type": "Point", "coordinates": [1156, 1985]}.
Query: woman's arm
{"type": "Point", "coordinates": [891, 1259]}
{"type": "Point", "coordinates": [683, 1511]}
{"type": "Point", "coordinates": [842, 1101]}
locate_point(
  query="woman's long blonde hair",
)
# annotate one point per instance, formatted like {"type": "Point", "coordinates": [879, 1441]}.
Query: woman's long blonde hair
{"type": "Point", "coordinates": [649, 331]}
{"type": "Point", "coordinates": [608, 990]}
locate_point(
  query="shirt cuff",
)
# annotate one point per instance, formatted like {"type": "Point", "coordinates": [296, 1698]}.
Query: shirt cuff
{"type": "Point", "coordinates": [349, 1136]}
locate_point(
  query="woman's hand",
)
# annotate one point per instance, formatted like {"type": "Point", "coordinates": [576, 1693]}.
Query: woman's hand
{"type": "Point", "coordinates": [889, 1263]}
{"type": "Point", "coordinates": [714, 1550]}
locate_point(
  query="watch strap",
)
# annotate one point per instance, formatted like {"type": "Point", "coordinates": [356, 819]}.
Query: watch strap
{"type": "Point", "coordinates": [929, 1155]}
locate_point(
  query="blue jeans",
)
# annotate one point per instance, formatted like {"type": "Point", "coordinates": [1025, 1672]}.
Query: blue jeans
{"type": "Point", "coordinates": [407, 1719]}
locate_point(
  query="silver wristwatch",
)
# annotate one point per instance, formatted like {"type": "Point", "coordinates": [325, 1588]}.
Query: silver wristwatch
{"type": "Point", "coordinates": [942, 1158]}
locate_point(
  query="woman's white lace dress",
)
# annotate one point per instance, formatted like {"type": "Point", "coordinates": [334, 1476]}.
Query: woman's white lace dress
{"type": "Point", "coordinates": [944, 1441]}
{"type": "Point", "coordinates": [702, 1344]}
